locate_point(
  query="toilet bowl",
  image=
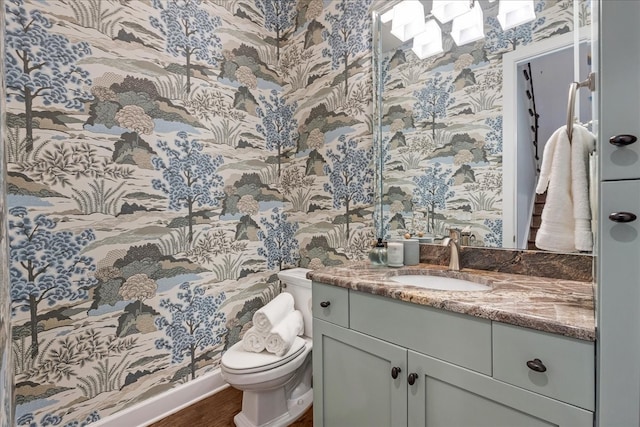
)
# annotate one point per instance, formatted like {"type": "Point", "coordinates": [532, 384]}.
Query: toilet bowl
{"type": "Point", "coordinates": [276, 389]}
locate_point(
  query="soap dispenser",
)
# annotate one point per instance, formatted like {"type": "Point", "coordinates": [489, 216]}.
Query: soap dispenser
{"type": "Point", "coordinates": [378, 254]}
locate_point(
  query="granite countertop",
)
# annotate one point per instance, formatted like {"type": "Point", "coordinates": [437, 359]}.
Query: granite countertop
{"type": "Point", "coordinates": [564, 307]}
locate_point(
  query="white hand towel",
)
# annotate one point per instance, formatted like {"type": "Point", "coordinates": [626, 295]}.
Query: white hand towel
{"type": "Point", "coordinates": [556, 230]}
{"type": "Point", "coordinates": [284, 333]}
{"type": "Point", "coordinates": [566, 217]}
{"type": "Point", "coordinates": [277, 309]}
{"type": "Point", "coordinates": [582, 144]}
{"type": "Point", "coordinates": [254, 340]}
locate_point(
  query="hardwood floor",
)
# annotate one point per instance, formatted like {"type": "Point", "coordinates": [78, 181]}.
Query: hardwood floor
{"type": "Point", "coordinates": [218, 411]}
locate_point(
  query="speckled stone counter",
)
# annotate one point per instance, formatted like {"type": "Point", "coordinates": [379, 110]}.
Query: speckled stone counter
{"type": "Point", "coordinates": [558, 306]}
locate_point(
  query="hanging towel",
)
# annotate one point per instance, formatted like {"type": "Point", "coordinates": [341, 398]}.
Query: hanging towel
{"type": "Point", "coordinates": [277, 309]}
{"type": "Point", "coordinates": [253, 340]}
{"type": "Point", "coordinates": [284, 333]}
{"type": "Point", "coordinates": [566, 217]}
{"type": "Point", "coordinates": [582, 145]}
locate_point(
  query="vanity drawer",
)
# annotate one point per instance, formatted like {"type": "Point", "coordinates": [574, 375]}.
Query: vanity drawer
{"type": "Point", "coordinates": [569, 364]}
{"type": "Point", "coordinates": [457, 338]}
{"type": "Point", "coordinates": [330, 303]}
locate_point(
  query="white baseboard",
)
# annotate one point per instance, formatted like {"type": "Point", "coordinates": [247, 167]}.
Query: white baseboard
{"type": "Point", "coordinates": [158, 407]}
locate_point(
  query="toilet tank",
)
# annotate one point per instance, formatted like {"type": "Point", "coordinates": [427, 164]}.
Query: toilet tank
{"type": "Point", "coordinates": [295, 282]}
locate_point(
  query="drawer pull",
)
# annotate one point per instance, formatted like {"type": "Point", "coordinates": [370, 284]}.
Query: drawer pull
{"type": "Point", "coordinates": [395, 371]}
{"type": "Point", "coordinates": [536, 365]}
{"type": "Point", "coordinates": [325, 304]}
{"type": "Point", "coordinates": [411, 379]}
{"type": "Point", "coordinates": [622, 217]}
{"type": "Point", "coordinates": [622, 140]}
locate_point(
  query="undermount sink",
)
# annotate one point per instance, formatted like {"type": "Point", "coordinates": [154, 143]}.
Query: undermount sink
{"type": "Point", "coordinates": [439, 283]}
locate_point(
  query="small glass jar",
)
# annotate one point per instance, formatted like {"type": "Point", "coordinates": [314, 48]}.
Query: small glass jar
{"type": "Point", "coordinates": [378, 255]}
{"type": "Point", "coordinates": [411, 251]}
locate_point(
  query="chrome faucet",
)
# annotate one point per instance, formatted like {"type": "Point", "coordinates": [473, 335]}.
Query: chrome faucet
{"type": "Point", "coordinates": [453, 243]}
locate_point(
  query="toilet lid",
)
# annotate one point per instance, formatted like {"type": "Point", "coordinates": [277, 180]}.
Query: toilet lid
{"type": "Point", "coordinates": [241, 361]}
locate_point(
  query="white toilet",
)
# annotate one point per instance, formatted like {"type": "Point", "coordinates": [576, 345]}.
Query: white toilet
{"type": "Point", "coordinates": [276, 390]}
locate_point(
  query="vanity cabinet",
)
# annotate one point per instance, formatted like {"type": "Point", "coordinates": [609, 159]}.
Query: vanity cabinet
{"type": "Point", "coordinates": [399, 364]}
{"type": "Point", "coordinates": [617, 267]}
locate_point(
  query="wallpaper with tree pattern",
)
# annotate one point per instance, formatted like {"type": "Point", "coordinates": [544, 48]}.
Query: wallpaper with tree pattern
{"type": "Point", "coordinates": [442, 126]}
{"type": "Point", "coordinates": [165, 160]}
{"type": "Point", "coordinates": [6, 368]}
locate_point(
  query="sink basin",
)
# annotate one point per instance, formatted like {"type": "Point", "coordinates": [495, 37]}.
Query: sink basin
{"type": "Point", "coordinates": [439, 283]}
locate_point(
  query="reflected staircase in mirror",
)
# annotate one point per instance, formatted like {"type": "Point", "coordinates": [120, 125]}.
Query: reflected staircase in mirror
{"type": "Point", "coordinates": [534, 116]}
{"type": "Point", "coordinates": [536, 219]}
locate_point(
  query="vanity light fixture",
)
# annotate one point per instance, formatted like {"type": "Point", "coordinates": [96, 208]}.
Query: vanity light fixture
{"type": "Point", "coordinates": [446, 10]}
{"type": "Point", "coordinates": [512, 13]}
{"type": "Point", "coordinates": [469, 27]}
{"type": "Point", "coordinates": [387, 16]}
{"type": "Point", "coordinates": [429, 42]}
{"type": "Point", "coordinates": [408, 19]}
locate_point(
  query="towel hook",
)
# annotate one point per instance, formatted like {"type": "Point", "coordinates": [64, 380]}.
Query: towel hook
{"type": "Point", "coordinates": [590, 82]}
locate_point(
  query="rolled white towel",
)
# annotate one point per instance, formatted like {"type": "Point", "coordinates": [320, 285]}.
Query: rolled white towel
{"type": "Point", "coordinates": [281, 338]}
{"type": "Point", "coordinates": [254, 340]}
{"type": "Point", "coordinates": [271, 314]}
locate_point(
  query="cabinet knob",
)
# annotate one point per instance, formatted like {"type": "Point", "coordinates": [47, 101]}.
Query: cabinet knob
{"type": "Point", "coordinates": [622, 140]}
{"type": "Point", "coordinates": [536, 365]}
{"type": "Point", "coordinates": [411, 379]}
{"type": "Point", "coordinates": [395, 371]}
{"type": "Point", "coordinates": [325, 304]}
{"type": "Point", "coordinates": [622, 216]}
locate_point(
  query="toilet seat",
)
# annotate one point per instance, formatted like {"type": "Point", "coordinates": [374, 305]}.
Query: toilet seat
{"type": "Point", "coordinates": [239, 361]}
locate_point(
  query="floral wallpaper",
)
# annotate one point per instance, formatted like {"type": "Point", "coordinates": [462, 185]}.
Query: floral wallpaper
{"type": "Point", "coordinates": [6, 366]}
{"type": "Point", "coordinates": [442, 127]}
{"type": "Point", "coordinates": [164, 160]}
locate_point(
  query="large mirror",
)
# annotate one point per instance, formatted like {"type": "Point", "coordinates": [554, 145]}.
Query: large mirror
{"type": "Point", "coordinates": [462, 126]}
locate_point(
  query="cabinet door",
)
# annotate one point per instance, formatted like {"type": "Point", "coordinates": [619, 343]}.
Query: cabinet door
{"type": "Point", "coordinates": [352, 381]}
{"type": "Point", "coordinates": [446, 395]}
{"type": "Point", "coordinates": [618, 312]}
{"type": "Point", "coordinates": [619, 89]}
